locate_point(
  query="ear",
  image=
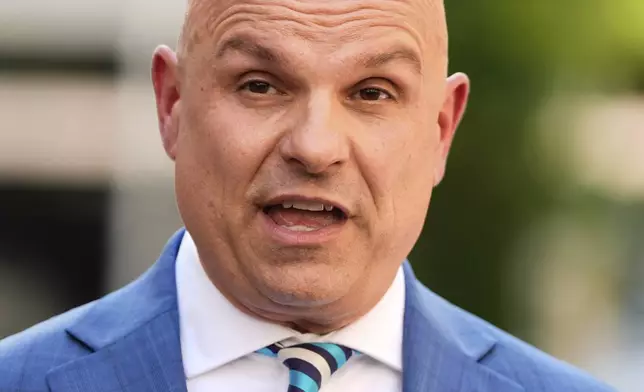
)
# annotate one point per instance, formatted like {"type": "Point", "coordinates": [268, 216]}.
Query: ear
{"type": "Point", "coordinates": [456, 94]}
{"type": "Point", "coordinates": [166, 91]}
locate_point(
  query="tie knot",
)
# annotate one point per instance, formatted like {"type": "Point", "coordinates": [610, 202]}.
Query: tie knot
{"type": "Point", "coordinates": [310, 364]}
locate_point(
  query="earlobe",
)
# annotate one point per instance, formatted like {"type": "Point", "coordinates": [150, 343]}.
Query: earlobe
{"type": "Point", "coordinates": [166, 91]}
{"type": "Point", "coordinates": [456, 95]}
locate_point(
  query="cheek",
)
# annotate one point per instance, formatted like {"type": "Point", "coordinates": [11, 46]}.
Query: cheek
{"type": "Point", "coordinates": [410, 192]}
{"type": "Point", "coordinates": [218, 153]}
{"type": "Point", "coordinates": [416, 172]}
{"type": "Point", "coordinates": [401, 160]}
{"type": "Point", "coordinates": [400, 175]}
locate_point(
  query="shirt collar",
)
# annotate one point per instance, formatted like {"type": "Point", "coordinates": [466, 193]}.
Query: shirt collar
{"type": "Point", "coordinates": [214, 332]}
{"type": "Point", "coordinates": [379, 333]}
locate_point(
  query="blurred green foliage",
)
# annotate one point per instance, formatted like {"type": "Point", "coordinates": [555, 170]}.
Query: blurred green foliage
{"type": "Point", "coordinates": [518, 54]}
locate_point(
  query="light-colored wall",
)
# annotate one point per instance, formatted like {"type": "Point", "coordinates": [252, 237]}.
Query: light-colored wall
{"type": "Point", "coordinates": [91, 130]}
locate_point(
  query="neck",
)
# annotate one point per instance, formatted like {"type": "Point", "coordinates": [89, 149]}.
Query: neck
{"type": "Point", "coordinates": [319, 320]}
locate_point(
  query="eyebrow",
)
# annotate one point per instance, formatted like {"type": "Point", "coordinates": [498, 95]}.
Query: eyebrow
{"type": "Point", "coordinates": [405, 54]}
{"type": "Point", "coordinates": [248, 46]}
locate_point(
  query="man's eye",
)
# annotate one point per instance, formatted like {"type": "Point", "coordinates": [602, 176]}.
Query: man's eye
{"type": "Point", "coordinates": [373, 94]}
{"type": "Point", "coordinates": [259, 87]}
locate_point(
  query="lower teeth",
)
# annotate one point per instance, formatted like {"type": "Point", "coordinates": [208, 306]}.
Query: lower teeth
{"type": "Point", "coordinates": [300, 228]}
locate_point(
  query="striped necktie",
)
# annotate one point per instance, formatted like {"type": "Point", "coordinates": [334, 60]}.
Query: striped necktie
{"type": "Point", "coordinates": [310, 364]}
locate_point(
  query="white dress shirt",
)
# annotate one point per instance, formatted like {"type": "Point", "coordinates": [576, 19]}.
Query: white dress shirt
{"type": "Point", "coordinates": [218, 341]}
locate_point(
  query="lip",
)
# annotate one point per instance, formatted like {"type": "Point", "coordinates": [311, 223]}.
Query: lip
{"type": "Point", "coordinates": [277, 200]}
{"type": "Point", "coordinates": [288, 237]}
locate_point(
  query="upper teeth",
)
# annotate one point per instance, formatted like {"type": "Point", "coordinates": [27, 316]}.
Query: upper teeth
{"type": "Point", "coordinates": [307, 206]}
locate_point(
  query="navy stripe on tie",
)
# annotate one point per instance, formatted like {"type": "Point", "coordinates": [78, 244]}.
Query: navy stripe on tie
{"type": "Point", "coordinates": [293, 388]}
{"type": "Point", "coordinates": [274, 348]}
{"type": "Point", "coordinates": [306, 368]}
{"type": "Point", "coordinates": [347, 351]}
{"type": "Point", "coordinates": [328, 357]}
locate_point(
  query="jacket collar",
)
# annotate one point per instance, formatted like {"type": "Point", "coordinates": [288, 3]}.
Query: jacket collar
{"type": "Point", "coordinates": [133, 337]}
{"type": "Point", "coordinates": [443, 346]}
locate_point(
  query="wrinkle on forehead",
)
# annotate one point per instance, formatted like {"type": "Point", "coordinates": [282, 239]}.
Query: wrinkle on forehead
{"type": "Point", "coordinates": [202, 15]}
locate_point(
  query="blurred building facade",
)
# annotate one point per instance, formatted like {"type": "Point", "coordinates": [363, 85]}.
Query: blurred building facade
{"type": "Point", "coordinates": [80, 156]}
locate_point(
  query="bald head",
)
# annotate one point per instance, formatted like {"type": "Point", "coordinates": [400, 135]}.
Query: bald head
{"type": "Point", "coordinates": [427, 17]}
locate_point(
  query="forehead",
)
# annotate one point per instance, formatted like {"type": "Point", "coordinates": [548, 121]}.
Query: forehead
{"type": "Point", "coordinates": [330, 22]}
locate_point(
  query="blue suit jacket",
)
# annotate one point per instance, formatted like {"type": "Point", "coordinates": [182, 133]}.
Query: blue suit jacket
{"type": "Point", "coordinates": [129, 341]}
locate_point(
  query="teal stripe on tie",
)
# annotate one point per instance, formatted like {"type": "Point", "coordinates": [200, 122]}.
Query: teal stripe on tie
{"type": "Point", "coordinates": [303, 381]}
{"type": "Point", "coordinates": [267, 352]}
{"type": "Point", "coordinates": [334, 350]}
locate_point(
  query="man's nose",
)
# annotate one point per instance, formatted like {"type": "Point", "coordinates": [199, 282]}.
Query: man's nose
{"type": "Point", "coordinates": [317, 141]}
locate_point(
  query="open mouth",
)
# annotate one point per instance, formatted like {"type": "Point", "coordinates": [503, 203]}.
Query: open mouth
{"type": "Point", "coordinates": [305, 216]}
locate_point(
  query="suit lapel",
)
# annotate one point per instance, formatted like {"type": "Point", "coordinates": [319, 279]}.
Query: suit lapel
{"type": "Point", "coordinates": [148, 359]}
{"type": "Point", "coordinates": [133, 336]}
{"type": "Point", "coordinates": [442, 349]}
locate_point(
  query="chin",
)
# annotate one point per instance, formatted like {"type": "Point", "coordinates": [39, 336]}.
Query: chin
{"type": "Point", "coordinates": [304, 286]}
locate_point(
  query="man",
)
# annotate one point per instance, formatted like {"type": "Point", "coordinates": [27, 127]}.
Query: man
{"type": "Point", "coordinates": [307, 137]}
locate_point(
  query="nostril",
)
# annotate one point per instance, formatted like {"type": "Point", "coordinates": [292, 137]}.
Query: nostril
{"type": "Point", "coordinates": [314, 156]}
